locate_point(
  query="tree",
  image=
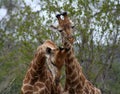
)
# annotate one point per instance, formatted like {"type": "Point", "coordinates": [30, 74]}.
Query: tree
{"type": "Point", "coordinates": [96, 30]}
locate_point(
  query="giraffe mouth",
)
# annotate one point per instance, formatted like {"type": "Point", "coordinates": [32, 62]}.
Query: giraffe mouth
{"type": "Point", "coordinates": [53, 64]}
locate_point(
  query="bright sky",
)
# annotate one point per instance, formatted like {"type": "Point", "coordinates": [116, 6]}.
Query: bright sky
{"type": "Point", "coordinates": [3, 12]}
{"type": "Point", "coordinates": [33, 5]}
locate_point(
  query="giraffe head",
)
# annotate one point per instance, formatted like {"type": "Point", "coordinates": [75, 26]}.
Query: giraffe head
{"type": "Point", "coordinates": [65, 26]}
{"type": "Point", "coordinates": [56, 56]}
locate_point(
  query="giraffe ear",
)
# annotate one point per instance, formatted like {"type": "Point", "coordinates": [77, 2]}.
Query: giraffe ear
{"type": "Point", "coordinates": [48, 50]}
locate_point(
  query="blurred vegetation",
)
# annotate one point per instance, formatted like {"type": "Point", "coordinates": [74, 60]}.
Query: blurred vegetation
{"type": "Point", "coordinates": [97, 32]}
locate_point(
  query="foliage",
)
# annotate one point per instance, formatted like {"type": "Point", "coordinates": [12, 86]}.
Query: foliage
{"type": "Point", "coordinates": [97, 34]}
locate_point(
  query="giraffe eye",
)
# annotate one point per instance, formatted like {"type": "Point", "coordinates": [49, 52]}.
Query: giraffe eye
{"type": "Point", "coordinates": [72, 26]}
{"type": "Point", "coordinates": [60, 30]}
{"type": "Point", "coordinates": [48, 50]}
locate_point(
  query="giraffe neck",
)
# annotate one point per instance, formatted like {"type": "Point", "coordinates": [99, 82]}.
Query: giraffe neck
{"type": "Point", "coordinates": [74, 76]}
{"type": "Point", "coordinates": [38, 79]}
{"type": "Point", "coordinates": [43, 87]}
{"type": "Point", "coordinates": [76, 82]}
{"type": "Point", "coordinates": [36, 68]}
{"type": "Point", "coordinates": [47, 87]}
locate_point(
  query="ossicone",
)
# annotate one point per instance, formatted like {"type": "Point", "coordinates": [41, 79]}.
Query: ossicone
{"type": "Point", "coordinates": [64, 13]}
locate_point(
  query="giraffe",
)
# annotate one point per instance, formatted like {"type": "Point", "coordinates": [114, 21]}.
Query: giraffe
{"type": "Point", "coordinates": [76, 82]}
{"type": "Point", "coordinates": [38, 79]}
{"type": "Point", "coordinates": [54, 56]}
